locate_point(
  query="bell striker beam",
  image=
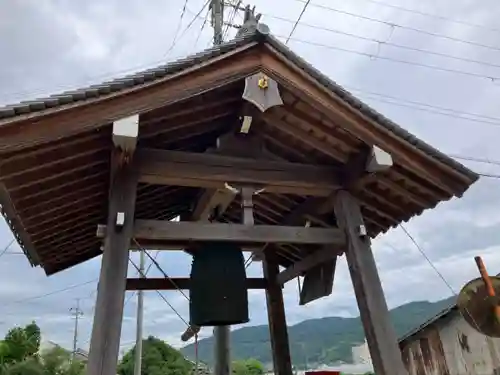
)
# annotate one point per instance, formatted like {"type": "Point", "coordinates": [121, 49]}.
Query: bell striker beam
{"type": "Point", "coordinates": [379, 331]}
{"type": "Point", "coordinates": [106, 330]}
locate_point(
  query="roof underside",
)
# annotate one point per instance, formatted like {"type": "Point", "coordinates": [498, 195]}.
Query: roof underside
{"type": "Point", "coordinates": [54, 191]}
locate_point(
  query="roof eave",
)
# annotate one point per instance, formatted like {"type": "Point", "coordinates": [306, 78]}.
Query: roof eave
{"type": "Point", "coordinates": [370, 112]}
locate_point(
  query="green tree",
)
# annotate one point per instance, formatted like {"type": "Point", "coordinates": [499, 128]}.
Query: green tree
{"type": "Point", "coordinates": [158, 358]}
{"type": "Point", "coordinates": [58, 361]}
{"type": "Point", "coordinates": [29, 366]}
{"type": "Point", "coordinates": [247, 367]}
{"type": "Point", "coordinates": [20, 344]}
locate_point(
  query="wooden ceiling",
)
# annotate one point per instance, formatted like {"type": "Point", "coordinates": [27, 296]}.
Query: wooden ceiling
{"type": "Point", "coordinates": [54, 190]}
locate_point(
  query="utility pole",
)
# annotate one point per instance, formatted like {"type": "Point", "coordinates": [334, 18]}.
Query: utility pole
{"type": "Point", "coordinates": [217, 7]}
{"type": "Point", "coordinates": [77, 313]}
{"type": "Point", "coordinates": [221, 334]}
{"type": "Point", "coordinates": [140, 315]}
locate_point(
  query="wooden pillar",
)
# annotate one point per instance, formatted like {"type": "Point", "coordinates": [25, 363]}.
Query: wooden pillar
{"type": "Point", "coordinates": [280, 345]}
{"type": "Point", "coordinates": [379, 331]}
{"type": "Point", "coordinates": [106, 330]}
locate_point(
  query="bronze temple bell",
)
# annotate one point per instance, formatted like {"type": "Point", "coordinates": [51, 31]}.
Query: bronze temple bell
{"type": "Point", "coordinates": [218, 292]}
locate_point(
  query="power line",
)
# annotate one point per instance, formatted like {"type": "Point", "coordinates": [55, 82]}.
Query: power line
{"type": "Point", "coordinates": [306, 4]}
{"type": "Point", "coordinates": [417, 246]}
{"type": "Point", "coordinates": [160, 268]}
{"type": "Point", "coordinates": [429, 110]}
{"type": "Point", "coordinates": [477, 160]}
{"type": "Point", "coordinates": [4, 251]}
{"type": "Point", "coordinates": [441, 276]}
{"type": "Point", "coordinates": [396, 25]}
{"type": "Point", "coordinates": [232, 16]}
{"type": "Point", "coordinates": [195, 17]}
{"type": "Point", "coordinates": [145, 273]}
{"type": "Point", "coordinates": [489, 175]}
{"type": "Point", "coordinates": [202, 27]}
{"type": "Point", "coordinates": [179, 25]}
{"type": "Point", "coordinates": [431, 15]}
{"type": "Point", "coordinates": [406, 62]}
{"type": "Point", "coordinates": [163, 297]}
{"type": "Point", "coordinates": [51, 293]}
{"type": "Point", "coordinates": [450, 111]}
{"type": "Point", "coordinates": [386, 42]}
{"type": "Point", "coordinates": [112, 74]}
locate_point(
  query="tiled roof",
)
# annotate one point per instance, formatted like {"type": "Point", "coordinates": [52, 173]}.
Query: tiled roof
{"type": "Point", "coordinates": [258, 36]}
{"type": "Point", "coordinates": [118, 84]}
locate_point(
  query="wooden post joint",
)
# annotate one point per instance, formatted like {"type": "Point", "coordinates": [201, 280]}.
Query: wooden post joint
{"type": "Point", "coordinates": [125, 133]}
{"type": "Point", "coordinates": [371, 160]}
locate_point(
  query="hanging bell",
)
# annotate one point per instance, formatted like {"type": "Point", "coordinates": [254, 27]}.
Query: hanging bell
{"type": "Point", "coordinates": [218, 292]}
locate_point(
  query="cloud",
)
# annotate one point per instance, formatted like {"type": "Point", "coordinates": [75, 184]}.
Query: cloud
{"type": "Point", "coordinates": [59, 44]}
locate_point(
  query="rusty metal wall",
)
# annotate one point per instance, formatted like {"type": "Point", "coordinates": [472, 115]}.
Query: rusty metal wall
{"type": "Point", "coordinates": [449, 346]}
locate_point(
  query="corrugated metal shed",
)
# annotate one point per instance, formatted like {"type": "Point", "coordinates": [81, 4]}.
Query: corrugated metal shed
{"type": "Point", "coordinates": [447, 345]}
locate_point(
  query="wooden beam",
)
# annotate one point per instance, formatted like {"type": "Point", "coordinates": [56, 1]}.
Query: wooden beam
{"type": "Point", "coordinates": [280, 345]}
{"type": "Point", "coordinates": [106, 330]}
{"type": "Point", "coordinates": [298, 268]}
{"type": "Point", "coordinates": [191, 231]}
{"type": "Point", "coordinates": [344, 114]}
{"type": "Point", "coordinates": [295, 217]}
{"type": "Point", "coordinates": [169, 245]}
{"type": "Point", "coordinates": [212, 199]}
{"type": "Point", "coordinates": [214, 171]}
{"type": "Point", "coordinates": [379, 331]}
{"type": "Point", "coordinates": [174, 283]}
{"type": "Point", "coordinates": [316, 266]}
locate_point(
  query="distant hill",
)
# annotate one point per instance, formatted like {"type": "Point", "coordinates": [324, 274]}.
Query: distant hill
{"type": "Point", "coordinates": [325, 340]}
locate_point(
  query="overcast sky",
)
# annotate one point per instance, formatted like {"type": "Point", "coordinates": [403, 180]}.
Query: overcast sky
{"type": "Point", "coordinates": [53, 45]}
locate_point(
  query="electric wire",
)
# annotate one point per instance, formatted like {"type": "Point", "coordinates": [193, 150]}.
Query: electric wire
{"type": "Point", "coordinates": [51, 293]}
{"type": "Point", "coordinates": [419, 248]}
{"type": "Point", "coordinates": [395, 60]}
{"type": "Point", "coordinates": [476, 160]}
{"type": "Point", "coordinates": [198, 16]}
{"type": "Point", "coordinates": [441, 276]}
{"type": "Point", "coordinates": [174, 41]}
{"type": "Point", "coordinates": [161, 295]}
{"type": "Point", "coordinates": [166, 276]}
{"type": "Point", "coordinates": [429, 108]}
{"type": "Point", "coordinates": [129, 298]}
{"type": "Point", "coordinates": [231, 19]}
{"type": "Point", "coordinates": [190, 24]}
{"type": "Point", "coordinates": [306, 4]}
{"type": "Point", "coordinates": [97, 79]}
{"type": "Point", "coordinates": [399, 26]}
{"type": "Point", "coordinates": [431, 15]}
{"type": "Point", "coordinates": [7, 247]}
{"type": "Point", "coordinates": [385, 42]}
{"type": "Point", "coordinates": [489, 175]}
{"type": "Point", "coordinates": [203, 25]}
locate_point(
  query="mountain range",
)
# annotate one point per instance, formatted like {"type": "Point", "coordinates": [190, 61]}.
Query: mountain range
{"type": "Point", "coordinates": [317, 341]}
